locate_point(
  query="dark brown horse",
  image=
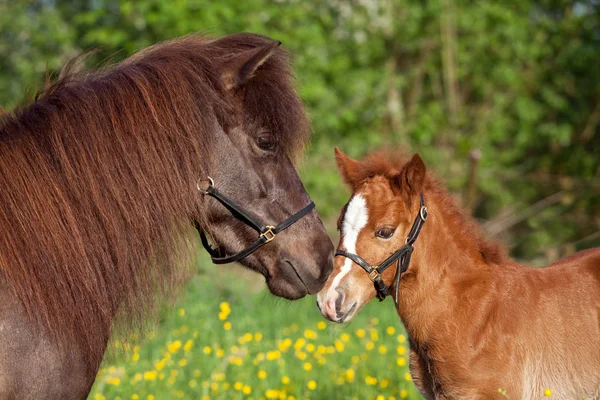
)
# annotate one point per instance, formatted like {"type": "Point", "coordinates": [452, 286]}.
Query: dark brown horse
{"type": "Point", "coordinates": [98, 193]}
{"type": "Point", "coordinates": [481, 326]}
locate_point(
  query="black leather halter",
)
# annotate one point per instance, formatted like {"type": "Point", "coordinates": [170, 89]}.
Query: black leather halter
{"type": "Point", "coordinates": [403, 255]}
{"type": "Point", "coordinates": [266, 232]}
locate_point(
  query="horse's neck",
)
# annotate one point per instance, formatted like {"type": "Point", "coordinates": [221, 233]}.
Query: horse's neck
{"type": "Point", "coordinates": [444, 269]}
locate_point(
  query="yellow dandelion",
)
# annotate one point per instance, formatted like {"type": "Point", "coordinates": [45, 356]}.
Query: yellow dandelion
{"type": "Point", "coordinates": [401, 350]}
{"type": "Point", "coordinates": [205, 398]}
{"type": "Point", "coordinates": [181, 312]}
{"type": "Point", "coordinates": [150, 397]}
{"type": "Point", "coordinates": [391, 398]}
{"type": "Point", "coordinates": [307, 366]}
{"type": "Point", "coordinates": [258, 336]}
{"type": "Point", "coordinates": [299, 343]}
{"type": "Point", "coordinates": [401, 361]}
{"type": "Point", "coordinates": [384, 383]}
{"type": "Point", "coordinates": [339, 345]}
{"type": "Point", "coordinates": [247, 337]}
{"type": "Point", "coordinates": [197, 373]}
{"type": "Point", "coordinates": [188, 345]}
{"type": "Point", "coordinates": [301, 355]}
{"type": "Point", "coordinates": [310, 334]}
{"type": "Point", "coordinates": [547, 392]}
{"type": "Point", "coordinates": [227, 325]}
{"type": "Point", "coordinates": [355, 359]}
{"type": "Point", "coordinates": [382, 349]}
{"type": "Point", "coordinates": [193, 383]}
{"type": "Point", "coordinates": [150, 375]}
{"type": "Point", "coordinates": [310, 347]}
{"type": "Point", "coordinates": [246, 390]}
{"type": "Point", "coordinates": [345, 337]}
{"type": "Point", "coordinates": [220, 353]}
{"type": "Point", "coordinates": [370, 346]}
{"type": "Point", "coordinates": [224, 306]}
{"type": "Point", "coordinates": [371, 380]}
{"type": "Point", "coordinates": [375, 321]}
{"type": "Point", "coordinates": [135, 356]}
{"type": "Point", "coordinates": [182, 362]}
{"type": "Point", "coordinates": [273, 355]}
{"type": "Point", "coordinates": [160, 365]}
{"type": "Point", "coordinates": [401, 338]}
{"type": "Point", "coordinates": [214, 386]}
{"type": "Point", "coordinates": [390, 330]}
{"type": "Point", "coordinates": [272, 394]}
{"type": "Point", "coordinates": [174, 346]}
{"type": "Point", "coordinates": [238, 385]}
{"type": "Point", "coordinates": [114, 381]}
{"type": "Point", "coordinates": [135, 397]}
{"type": "Point", "coordinates": [349, 374]}
{"type": "Point", "coordinates": [403, 394]}
{"type": "Point", "coordinates": [407, 376]}
{"type": "Point", "coordinates": [380, 397]}
{"type": "Point", "coordinates": [285, 380]}
{"type": "Point", "coordinates": [312, 385]}
{"type": "Point", "coordinates": [207, 350]}
{"type": "Point", "coordinates": [360, 333]}
{"type": "Point", "coordinates": [262, 374]}
{"type": "Point", "coordinates": [321, 325]}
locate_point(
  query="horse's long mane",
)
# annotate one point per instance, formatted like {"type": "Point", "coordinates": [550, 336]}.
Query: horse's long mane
{"type": "Point", "coordinates": [389, 164]}
{"type": "Point", "coordinates": [98, 175]}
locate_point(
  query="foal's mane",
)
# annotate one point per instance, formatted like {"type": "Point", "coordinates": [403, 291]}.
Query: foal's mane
{"type": "Point", "coordinates": [98, 178]}
{"type": "Point", "coordinates": [388, 164]}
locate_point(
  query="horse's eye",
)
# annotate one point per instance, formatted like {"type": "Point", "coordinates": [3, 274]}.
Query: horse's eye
{"type": "Point", "coordinates": [266, 143]}
{"type": "Point", "coordinates": [385, 233]}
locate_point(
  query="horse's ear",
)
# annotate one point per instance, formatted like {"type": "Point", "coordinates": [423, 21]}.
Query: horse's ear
{"type": "Point", "coordinates": [348, 167]}
{"type": "Point", "coordinates": [409, 181]}
{"type": "Point", "coordinates": [240, 69]}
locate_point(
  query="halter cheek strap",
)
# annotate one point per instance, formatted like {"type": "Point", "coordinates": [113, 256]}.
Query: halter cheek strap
{"type": "Point", "coordinates": [266, 232]}
{"type": "Point", "coordinates": [401, 256]}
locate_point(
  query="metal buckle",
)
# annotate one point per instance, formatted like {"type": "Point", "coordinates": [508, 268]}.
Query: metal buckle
{"type": "Point", "coordinates": [210, 181]}
{"type": "Point", "coordinates": [268, 234]}
{"type": "Point", "coordinates": [373, 274]}
{"type": "Point", "coordinates": [423, 213]}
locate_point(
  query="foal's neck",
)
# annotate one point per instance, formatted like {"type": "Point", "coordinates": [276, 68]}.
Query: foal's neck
{"type": "Point", "coordinates": [445, 267]}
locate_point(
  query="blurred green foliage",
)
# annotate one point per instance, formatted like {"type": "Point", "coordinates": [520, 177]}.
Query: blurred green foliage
{"type": "Point", "coordinates": [518, 81]}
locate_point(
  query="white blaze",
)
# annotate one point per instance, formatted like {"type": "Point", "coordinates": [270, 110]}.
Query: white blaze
{"type": "Point", "coordinates": [355, 220]}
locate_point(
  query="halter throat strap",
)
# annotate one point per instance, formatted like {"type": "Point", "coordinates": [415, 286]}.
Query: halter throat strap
{"type": "Point", "coordinates": [402, 256]}
{"type": "Point", "coordinates": [266, 232]}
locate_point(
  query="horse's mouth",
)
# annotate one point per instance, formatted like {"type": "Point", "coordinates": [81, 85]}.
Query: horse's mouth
{"type": "Point", "coordinates": [299, 277]}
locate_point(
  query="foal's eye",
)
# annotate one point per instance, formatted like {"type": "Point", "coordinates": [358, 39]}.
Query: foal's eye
{"type": "Point", "coordinates": [266, 143]}
{"type": "Point", "coordinates": [385, 233]}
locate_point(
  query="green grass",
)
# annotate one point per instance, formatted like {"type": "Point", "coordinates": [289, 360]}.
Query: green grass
{"type": "Point", "coordinates": [226, 339]}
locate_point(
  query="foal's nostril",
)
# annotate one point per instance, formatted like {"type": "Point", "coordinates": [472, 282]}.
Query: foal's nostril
{"type": "Point", "coordinates": [339, 301]}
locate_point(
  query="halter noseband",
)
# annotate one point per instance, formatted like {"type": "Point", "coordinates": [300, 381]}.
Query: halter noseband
{"type": "Point", "coordinates": [266, 232]}
{"type": "Point", "coordinates": [403, 255]}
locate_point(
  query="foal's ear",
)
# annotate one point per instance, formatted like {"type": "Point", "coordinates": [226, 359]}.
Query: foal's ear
{"type": "Point", "coordinates": [347, 166]}
{"type": "Point", "coordinates": [411, 177]}
{"type": "Point", "coordinates": [241, 69]}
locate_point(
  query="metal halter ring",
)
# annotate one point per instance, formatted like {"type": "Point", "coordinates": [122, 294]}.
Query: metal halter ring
{"type": "Point", "coordinates": [210, 181]}
{"type": "Point", "coordinates": [423, 212]}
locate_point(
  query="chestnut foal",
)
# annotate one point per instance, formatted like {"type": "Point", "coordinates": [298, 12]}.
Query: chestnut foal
{"type": "Point", "coordinates": [481, 326]}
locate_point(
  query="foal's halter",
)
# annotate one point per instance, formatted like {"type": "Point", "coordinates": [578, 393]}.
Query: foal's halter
{"type": "Point", "coordinates": [403, 255]}
{"type": "Point", "coordinates": [266, 232]}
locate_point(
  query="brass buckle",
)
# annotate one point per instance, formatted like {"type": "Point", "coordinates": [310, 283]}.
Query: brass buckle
{"type": "Point", "coordinates": [373, 274]}
{"type": "Point", "coordinates": [268, 234]}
